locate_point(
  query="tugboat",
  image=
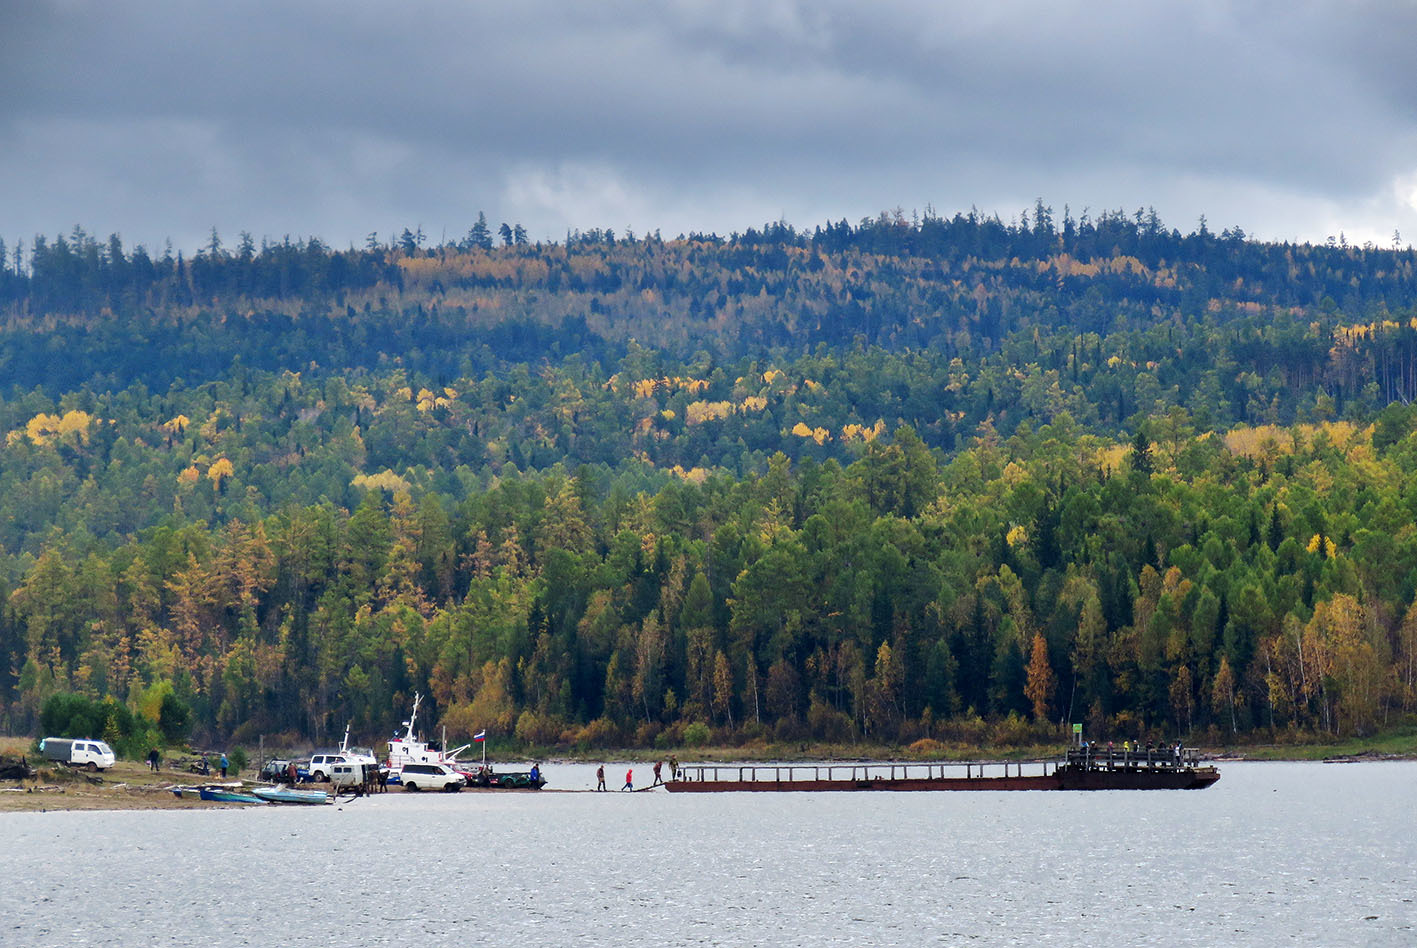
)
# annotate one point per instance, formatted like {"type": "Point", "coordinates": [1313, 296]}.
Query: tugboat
{"type": "Point", "coordinates": [409, 749]}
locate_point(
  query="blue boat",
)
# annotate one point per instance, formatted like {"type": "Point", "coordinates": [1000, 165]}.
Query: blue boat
{"type": "Point", "coordinates": [224, 795]}
{"type": "Point", "coordinates": [288, 795]}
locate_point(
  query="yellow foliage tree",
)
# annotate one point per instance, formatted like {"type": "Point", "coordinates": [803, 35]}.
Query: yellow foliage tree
{"type": "Point", "coordinates": [1041, 681]}
{"type": "Point", "coordinates": [44, 427]}
{"type": "Point", "coordinates": [219, 473]}
{"type": "Point", "coordinates": [384, 480]}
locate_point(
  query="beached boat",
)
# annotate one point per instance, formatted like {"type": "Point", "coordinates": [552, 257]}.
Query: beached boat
{"type": "Point", "coordinates": [226, 795]}
{"type": "Point", "coordinates": [289, 795]}
{"type": "Point", "coordinates": [191, 793]}
{"type": "Point", "coordinates": [1078, 770]}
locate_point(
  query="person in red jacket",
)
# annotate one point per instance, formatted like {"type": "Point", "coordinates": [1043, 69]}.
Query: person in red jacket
{"type": "Point", "coordinates": [629, 779]}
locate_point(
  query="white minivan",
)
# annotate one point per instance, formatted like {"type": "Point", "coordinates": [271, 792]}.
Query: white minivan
{"type": "Point", "coordinates": [431, 777]}
{"type": "Point", "coordinates": [95, 755]}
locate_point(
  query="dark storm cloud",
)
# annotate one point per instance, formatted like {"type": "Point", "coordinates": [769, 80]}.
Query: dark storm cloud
{"type": "Point", "coordinates": [158, 119]}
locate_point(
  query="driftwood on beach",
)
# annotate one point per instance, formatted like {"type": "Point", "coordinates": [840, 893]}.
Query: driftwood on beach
{"type": "Point", "coordinates": [15, 768]}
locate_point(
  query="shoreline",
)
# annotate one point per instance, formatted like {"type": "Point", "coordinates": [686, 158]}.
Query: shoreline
{"type": "Point", "coordinates": [130, 785]}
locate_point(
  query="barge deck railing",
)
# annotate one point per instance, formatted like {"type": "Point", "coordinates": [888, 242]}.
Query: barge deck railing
{"type": "Point", "coordinates": [1089, 758]}
{"type": "Point", "coordinates": [1159, 758]}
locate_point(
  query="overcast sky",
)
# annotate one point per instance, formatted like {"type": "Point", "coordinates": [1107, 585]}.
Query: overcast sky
{"type": "Point", "coordinates": [160, 120]}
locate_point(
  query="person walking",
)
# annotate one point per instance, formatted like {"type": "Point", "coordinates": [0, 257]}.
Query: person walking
{"type": "Point", "coordinates": [629, 780]}
{"type": "Point", "coordinates": [600, 777]}
{"type": "Point", "coordinates": [657, 779]}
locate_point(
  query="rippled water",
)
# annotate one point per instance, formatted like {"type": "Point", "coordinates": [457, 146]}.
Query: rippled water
{"type": "Point", "coordinates": [1302, 854]}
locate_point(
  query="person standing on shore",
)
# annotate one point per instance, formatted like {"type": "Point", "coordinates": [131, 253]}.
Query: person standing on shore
{"type": "Point", "coordinates": [224, 764]}
{"type": "Point", "coordinates": [600, 777]}
{"type": "Point", "coordinates": [154, 760]}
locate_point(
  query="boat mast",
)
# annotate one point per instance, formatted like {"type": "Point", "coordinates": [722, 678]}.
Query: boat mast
{"type": "Point", "coordinates": [408, 735]}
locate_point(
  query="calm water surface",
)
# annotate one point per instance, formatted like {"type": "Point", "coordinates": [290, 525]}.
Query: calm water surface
{"type": "Point", "coordinates": [1275, 854]}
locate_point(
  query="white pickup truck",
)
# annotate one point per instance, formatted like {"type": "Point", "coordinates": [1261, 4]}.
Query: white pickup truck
{"type": "Point", "coordinates": [95, 755]}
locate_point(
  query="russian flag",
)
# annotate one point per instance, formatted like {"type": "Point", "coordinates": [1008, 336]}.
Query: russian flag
{"type": "Point", "coordinates": [480, 736]}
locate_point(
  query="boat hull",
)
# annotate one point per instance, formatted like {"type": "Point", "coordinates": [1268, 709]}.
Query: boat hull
{"type": "Point", "coordinates": [882, 784]}
{"type": "Point", "coordinates": [216, 795]}
{"type": "Point", "coordinates": [1195, 779]}
{"type": "Point", "coordinates": [1061, 779]}
{"type": "Point", "coordinates": [282, 795]}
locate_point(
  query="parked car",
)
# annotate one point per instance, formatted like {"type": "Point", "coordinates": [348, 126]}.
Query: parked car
{"type": "Point", "coordinates": [431, 777]}
{"type": "Point", "coordinates": [95, 755]}
{"type": "Point", "coordinates": [277, 770]}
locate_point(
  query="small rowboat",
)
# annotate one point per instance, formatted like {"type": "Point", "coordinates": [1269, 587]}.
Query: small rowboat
{"type": "Point", "coordinates": [223, 795]}
{"type": "Point", "coordinates": [287, 795]}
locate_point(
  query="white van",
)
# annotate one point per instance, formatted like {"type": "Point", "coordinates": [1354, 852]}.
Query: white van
{"type": "Point", "coordinates": [95, 755]}
{"type": "Point", "coordinates": [344, 776]}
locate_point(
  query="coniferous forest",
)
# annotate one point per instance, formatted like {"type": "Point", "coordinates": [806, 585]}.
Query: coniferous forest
{"type": "Point", "coordinates": [915, 477]}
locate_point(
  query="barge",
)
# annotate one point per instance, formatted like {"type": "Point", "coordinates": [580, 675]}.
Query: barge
{"type": "Point", "coordinates": [1079, 769]}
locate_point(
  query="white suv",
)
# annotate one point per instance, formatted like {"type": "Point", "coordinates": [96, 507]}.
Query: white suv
{"type": "Point", "coordinates": [431, 777]}
{"type": "Point", "coordinates": [323, 765]}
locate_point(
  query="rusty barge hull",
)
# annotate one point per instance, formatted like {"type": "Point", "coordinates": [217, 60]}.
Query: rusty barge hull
{"type": "Point", "coordinates": [946, 783]}
{"type": "Point", "coordinates": [1121, 771]}
{"type": "Point", "coordinates": [1086, 781]}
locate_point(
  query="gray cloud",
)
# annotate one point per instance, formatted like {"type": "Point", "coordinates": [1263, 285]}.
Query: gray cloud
{"type": "Point", "coordinates": [165, 118]}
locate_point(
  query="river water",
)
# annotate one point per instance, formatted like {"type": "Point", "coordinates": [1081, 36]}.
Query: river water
{"type": "Point", "coordinates": [1274, 854]}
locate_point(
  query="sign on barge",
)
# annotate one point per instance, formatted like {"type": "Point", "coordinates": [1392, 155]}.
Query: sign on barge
{"type": "Point", "coordinates": [1080, 769]}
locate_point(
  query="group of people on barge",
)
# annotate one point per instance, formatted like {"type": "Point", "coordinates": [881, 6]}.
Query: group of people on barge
{"type": "Point", "coordinates": [658, 770]}
{"type": "Point", "coordinates": [1094, 753]}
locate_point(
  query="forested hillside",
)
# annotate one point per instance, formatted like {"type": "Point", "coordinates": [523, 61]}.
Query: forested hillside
{"type": "Point", "coordinates": [915, 477]}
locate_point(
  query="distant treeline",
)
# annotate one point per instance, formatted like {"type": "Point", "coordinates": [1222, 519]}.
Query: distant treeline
{"type": "Point", "coordinates": [912, 477]}
{"type": "Point", "coordinates": [1190, 586]}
